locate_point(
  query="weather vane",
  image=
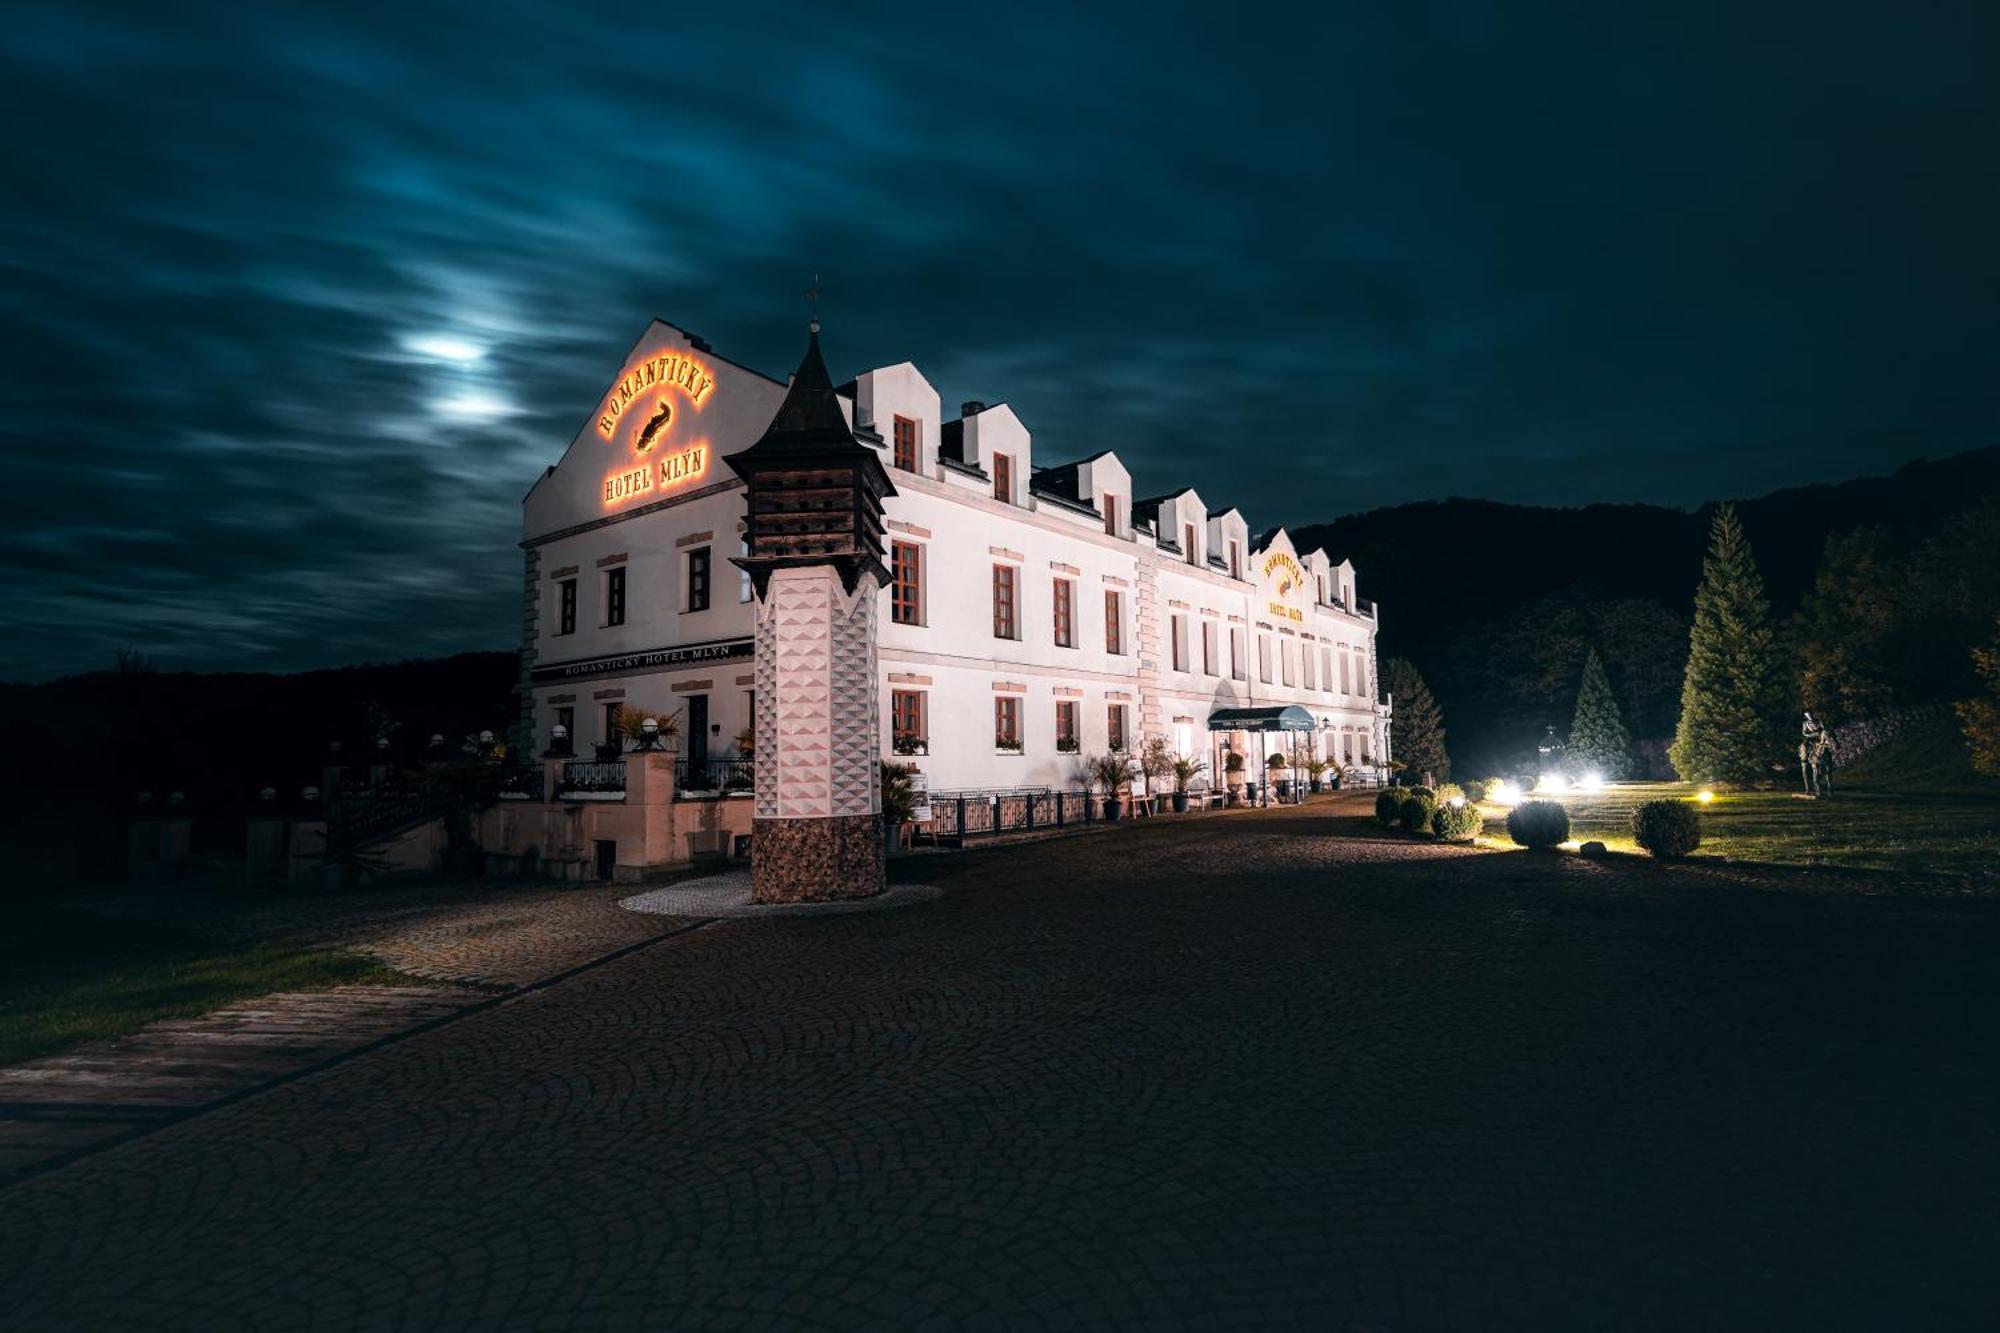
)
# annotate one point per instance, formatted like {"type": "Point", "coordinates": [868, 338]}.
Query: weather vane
{"type": "Point", "coordinates": [812, 295]}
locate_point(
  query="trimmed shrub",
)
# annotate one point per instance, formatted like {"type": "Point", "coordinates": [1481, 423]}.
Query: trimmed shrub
{"type": "Point", "coordinates": [1476, 789]}
{"type": "Point", "coordinates": [1538, 824]}
{"type": "Point", "coordinates": [1416, 812]}
{"type": "Point", "coordinates": [1449, 790]}
{"type": "Point", "coordinates": [1667, 829]}
{"type": "Point", "coordinates": [1428, 793]}
{"type": "Point", "coordinates": [1389, 807]}
{"type": "Point", "coordinates": [1457, 823]}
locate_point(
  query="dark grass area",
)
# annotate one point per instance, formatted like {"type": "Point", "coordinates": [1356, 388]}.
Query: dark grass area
{"type": "Point", "coordinates": [67, 976]}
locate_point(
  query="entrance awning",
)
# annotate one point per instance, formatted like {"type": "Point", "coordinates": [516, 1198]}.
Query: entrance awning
{"type": "Point", "coordinates": [1290, 717]}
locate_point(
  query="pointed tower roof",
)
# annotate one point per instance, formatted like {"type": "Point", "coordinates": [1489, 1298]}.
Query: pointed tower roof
{"type": "Point", "coordinates": [809, 425]}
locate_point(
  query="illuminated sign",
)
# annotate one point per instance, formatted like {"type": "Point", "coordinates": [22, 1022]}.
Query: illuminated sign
{"type": "Point", "coordinates": [1281, 567]}
{"type": "Point", "coordinates": [675, 469]}
{"type": "Point", "coordinates": [690, 377]}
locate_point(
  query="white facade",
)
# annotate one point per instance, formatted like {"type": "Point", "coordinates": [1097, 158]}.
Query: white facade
{"type": "Point", "coordinates": [1154, 637]}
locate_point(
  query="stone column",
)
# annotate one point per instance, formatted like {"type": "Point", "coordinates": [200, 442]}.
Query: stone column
{"type": "Point", "coordinates": [817, 830]}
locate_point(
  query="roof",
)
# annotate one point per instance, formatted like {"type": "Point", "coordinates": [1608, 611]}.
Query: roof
{"type": "Point", "coordinates": [1288, 717]}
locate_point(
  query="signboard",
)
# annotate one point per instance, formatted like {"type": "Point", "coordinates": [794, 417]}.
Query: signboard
{"type": "Point", "coordinates": [920, 798]}
{"type": "Point", "coordinates": [655, 659]}
{"type": "Point", "coordinates": [1286, 579]}
{"type": "Point", "coordinates": [642, 420]}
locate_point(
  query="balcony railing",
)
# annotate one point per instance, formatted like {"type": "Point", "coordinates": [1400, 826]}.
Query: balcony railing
{"type": "Point", "coordinates": [715, 775]}
{"type": "Point", "coordinates": [521, 784]}
{"type": "Point", "coordinates": [581, 777]}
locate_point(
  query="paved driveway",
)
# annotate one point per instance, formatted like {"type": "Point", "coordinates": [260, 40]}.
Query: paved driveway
{"type": "Point", "coordinates": [1243, 1070]}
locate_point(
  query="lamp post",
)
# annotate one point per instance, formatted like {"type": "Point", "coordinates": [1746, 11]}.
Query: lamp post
{"type": "Point", "coordinates": [649, 734]}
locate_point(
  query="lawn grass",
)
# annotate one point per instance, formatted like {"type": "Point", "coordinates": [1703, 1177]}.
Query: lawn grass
{"type": "Point", "coordinates": [1906, 831]}
{"type": "Point", "coordinates": [67, 976]}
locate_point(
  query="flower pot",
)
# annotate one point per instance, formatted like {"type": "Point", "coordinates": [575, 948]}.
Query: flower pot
{"type": "Point", "coordinates": [1314, 788]}
{"type": "Point", "coordinates": [1180, 802]}
{"type": "Point", "coordinates": [1112, 810]}
{"type": "Point", "coordinates": [1284, 789]}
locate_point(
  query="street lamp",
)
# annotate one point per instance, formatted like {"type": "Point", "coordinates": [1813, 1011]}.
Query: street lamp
{"type": "Point", "coordinates": [650, 731]}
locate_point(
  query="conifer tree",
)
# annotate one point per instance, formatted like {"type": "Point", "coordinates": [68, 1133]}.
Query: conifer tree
{"type": "Point", "coordinates": [1597, 738]}
{"type": "Point", "coordinates": [1416, 735]}
{"type": "Point", "coordinates": [1734, 700]}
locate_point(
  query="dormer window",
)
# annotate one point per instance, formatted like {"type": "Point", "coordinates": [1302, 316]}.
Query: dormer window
{"type": "Point", "coordinates": [1235, 559]}
{"type": "Point", "coordinates": [1110, 507]}
{"type": "Point", "coordinates": [905, 432]}
{"type": "Point", "coordinates": [1003, 479]}
{"type": "Point", "coordinates": [1187, 542]}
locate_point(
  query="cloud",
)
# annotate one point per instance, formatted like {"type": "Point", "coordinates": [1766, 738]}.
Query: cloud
{"type": "Point", "coordinates": [301, 298]}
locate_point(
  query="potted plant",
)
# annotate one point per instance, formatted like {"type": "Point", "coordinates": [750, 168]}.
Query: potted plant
{"type": "Point", "coordinates": [1232, 777]}
{"type": "Point", "coordinates": [1315, 770]}
{"type": "Point", "coordinates": [1156, 763]}
{"type": "Point", "coordinates": [899, 801]}
{"type": "Point", "coordinates": [1185, 769]}
{"type": "Point", "coordinates": [1275, 774]}
{"type": "Point", "coordinates": [906, 743]}
{"type": "Point", "coordinates": [1006, 744]}
{"type": "Point", "coordinates": [1113, 772]}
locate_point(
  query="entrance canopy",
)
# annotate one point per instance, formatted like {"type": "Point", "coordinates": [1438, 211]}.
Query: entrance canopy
{"type": "Point", "coordinates": [1288, 718]}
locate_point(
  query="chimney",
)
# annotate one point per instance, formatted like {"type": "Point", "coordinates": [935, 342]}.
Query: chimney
{"type": "Point", "coordinates": [971, 407]}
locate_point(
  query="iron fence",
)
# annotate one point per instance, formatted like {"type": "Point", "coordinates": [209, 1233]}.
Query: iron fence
{"type": "Point", "coordinates": [580, 775]}
{"type": "Point", "coordinates": [715, 775]}
{"type": "Point", "coordinates": [982, 813]}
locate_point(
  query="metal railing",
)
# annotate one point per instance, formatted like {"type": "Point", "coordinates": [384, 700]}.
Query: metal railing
{"type": "Point", "coordinates": [579, 775]}
{"type": "Point", "coordinates": [714, 775]}
{"type": "Point", "coordinates": [521, 784]}
{"type": "Point", "coordinates": [983, 813]}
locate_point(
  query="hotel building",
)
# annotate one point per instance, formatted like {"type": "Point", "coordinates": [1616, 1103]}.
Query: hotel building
{"type": "Point", "coordinates": [1036, 613]}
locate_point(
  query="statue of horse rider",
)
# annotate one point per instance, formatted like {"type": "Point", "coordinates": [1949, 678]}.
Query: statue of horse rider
{"type": "Point", "coordinates": [1817, 757]}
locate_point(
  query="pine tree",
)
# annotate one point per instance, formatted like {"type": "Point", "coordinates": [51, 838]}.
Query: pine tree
{"type": "Point", "coordinates": [1734, 698]}
{"type": "Point", "coordinates": [1597, 738]}
{"type": "Point", "coordinates": [1416, 736]}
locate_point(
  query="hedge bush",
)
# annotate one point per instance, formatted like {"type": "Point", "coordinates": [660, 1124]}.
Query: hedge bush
{"type": "Point", "coordinates": [1667, 829]}
{"type": "Point", "coordinates": [1538, 824]}
{"type": "Point", "coordinates": [1457, 823]}
{"type": "Point", "coordinates": [1428, 793]}
{"type": "Point", "coordinates": [1389, 807]}
{"type": "Point", "coordinates": [1448, 790]}
{"type": "Point", "coordinates": [1416, 812]}
{"type": "Point", "coordinates": [1477, 789]}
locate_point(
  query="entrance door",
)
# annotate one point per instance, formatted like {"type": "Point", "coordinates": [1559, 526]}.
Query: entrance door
{"type": "Point", "coordinates": [697, 742]}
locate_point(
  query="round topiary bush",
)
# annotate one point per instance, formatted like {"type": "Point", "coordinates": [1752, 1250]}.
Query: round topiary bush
{"type": "Point", "coordinates": [1538, 824]}
{"type": "Point", "coordinates": [1476, 789]}
{"type": "Point", "coordinates": [1389, 807]}
{"type": "Point", "coordinates": [1457, 823]}
{"type": "Point", "coordinates": [1428, 793]}
{"type": "Point", "coordinates": [1447, 790]}
{"type": "Point", "coordinates": [1667, 829]}
{"type": "Point", "coordinates": [1416, 812]}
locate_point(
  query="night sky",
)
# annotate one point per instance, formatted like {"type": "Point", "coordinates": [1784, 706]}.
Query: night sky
{"type": "Point", "coordinates": [300, 300]}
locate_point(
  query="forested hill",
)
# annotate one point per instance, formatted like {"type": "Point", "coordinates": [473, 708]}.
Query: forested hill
{"type": "Point", "coordinates": [1497, 603]}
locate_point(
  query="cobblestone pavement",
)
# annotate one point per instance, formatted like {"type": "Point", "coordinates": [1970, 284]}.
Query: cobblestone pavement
{"type": "Point", "coordinates": [1267, 1069]}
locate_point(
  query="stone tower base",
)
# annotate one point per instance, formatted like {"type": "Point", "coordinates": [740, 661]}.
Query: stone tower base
{"type": "Point", "coordinates": [817, 860]}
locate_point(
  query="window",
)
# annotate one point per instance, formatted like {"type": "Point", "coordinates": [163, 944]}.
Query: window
{"type": "Point", "coordinates": [614, 596]}
{"type": "Point", "coordinates": [1114, 621]}
{"type": "Point", "coordinates": [1345, 686]}
{"type": "Point", "coordinates": [908, 734]}
{"type": "Point", "coordinates": [1007, 722]}
{"type": "Point", "coordinates": [1208, 647]}
{"type": "Point", "coordinates": [1114, 726]}
{"type": "Point", "coordinates": [1110, 507]}
{"type": "Point", "coordinates": [566, 719]}
{"type": "Point", "coordinates": [1360, 674]}
{"type": "Point", "coordinates": [905, 434]}
{"type": "Point", "coordinates": [1067, 741]}
{"type": "Point", "coordinates": [1235, 559]}
{"type": "Point", "coordinates": [1326, 668]}
{"type": "Point", "coordinates": [1187, 542]}
{"type": "Point", "coordinates": [566, 607]}
{"type": "Point", "coordinates": [744, 590]}
{"type": "Point", "coordinates": [1177, 640]}
{"type": "Point", "coordinates": [1308, 659]}
{"type": "Point", "coordinates": [697, 584]}
{"type": "Point", "coordinates": [1287, 652]}
{"type": "Point", "coordinates": [906, 572]}
{"type": "Point", "coordinates": [1236, 653]}
{"type": "Point", "coordinates": [1264, 658]}
{"type": "Point", "coordinates": [1006, 603]}
{"type": "Point", "coordinates": [611, 711]}
{"type": "Point", "coordinates": [1065, 614]}
{"type": "Point", "coordinates": [1003, 478]}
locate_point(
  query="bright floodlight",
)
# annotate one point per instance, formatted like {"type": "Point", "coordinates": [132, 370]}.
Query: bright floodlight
{"type": "Point", "coordinates": [1504, 793]}
{"type": "Point", "coordinates": [1590, 782]}
{"type": "Point", "coordinates": [1704, 796]}
{"type": "Point", "coordinates": [1553, 783]}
